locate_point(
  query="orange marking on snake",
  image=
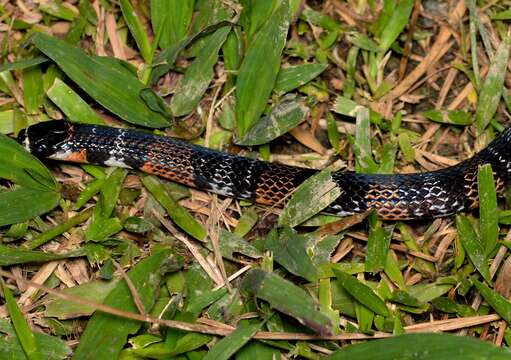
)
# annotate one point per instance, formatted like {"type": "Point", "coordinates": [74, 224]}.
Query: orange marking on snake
{"type": "Point", "coordinates": [184, 177]}
{"type": "Point", "coordinates": [78, 156]}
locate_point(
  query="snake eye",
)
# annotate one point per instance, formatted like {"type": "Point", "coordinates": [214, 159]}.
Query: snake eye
{"type": "Point", "coordinates": [42, 139]}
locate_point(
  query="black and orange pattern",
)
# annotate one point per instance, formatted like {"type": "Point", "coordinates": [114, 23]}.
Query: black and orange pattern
{"type": "Point", "coordinates": [394, 197]}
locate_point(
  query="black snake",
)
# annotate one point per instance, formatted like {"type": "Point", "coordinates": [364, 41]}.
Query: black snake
{"type": "Point", "coordinates": [401, 196]}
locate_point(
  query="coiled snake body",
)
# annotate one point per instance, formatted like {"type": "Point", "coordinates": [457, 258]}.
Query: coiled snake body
{"type": "Point", "coordinates": [401, 196]}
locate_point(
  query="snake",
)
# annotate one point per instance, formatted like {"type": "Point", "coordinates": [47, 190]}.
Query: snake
{"type": "Point", "coordinates": [407, 196]}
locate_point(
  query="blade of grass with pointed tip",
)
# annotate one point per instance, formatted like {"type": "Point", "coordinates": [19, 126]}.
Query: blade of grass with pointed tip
{"type": "Point", "coordinates": [198, 76]}
{"type": "Point", "coordinates": [260, 67]}
{"type": "Point", "coordinates": [423, 347]}
{"type": "Point", "coordinates": [472, 245]}
{"type": "Point", "coordinates": [396, 24]}
{"type": "Point", "coordinates": [229, 345]}
{"type": "Point", "coordinates": [48, 235]}
{"type": "Point", "coordinates": [177, 213]}
{"type": "Point", "coordinates": [361, 292]}
{"type": "Point", "coordinates": [145, 277]}
{"type": "Point", "coordinates": [50, 347]}
{"type": "Point", "coordinates": [289, 250]}
{"type": "Point", "coordinates": [312, 196]}
{"type": "Point", "coordinates": [489, 223]}
{"type": "Point", "coordinates": [378, 243]}
{"type": "Point", "coordinates": [137, 30]}
{"type": "Point", "coordinates": [293, 77]}
{"type": "Point", "coordinates": [116, 90]}
{"type": "Point", "coordinates": [491, 90]}
{"type": "Point", "coordinates": [23, 63]}
{"type": "Point", "coordinates": [23, 332]}
{"type": "Point", "coordinates": [362, 147]}
{"type": "Point", "coordinates": [72, 105]}
{"type": "Point", "coordinates": [13, 256]}
{"type": "Point", "coordinates": [288, 298]}
{"type": "Point", "coordinates": [284, 116]}
{"type": "Point", "coordinates": [499, 303]}
{"type": "Point", "coordinates": [175, 16]}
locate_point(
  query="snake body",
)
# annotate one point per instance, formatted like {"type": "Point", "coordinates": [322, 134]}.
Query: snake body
{"type": "Point", "coordinates": [394, 197]}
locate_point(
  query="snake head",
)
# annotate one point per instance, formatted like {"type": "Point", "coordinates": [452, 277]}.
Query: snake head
{"type": "Point", "coordinates": [43, 139]}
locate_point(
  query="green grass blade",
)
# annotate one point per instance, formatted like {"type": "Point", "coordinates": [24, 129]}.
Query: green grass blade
{"type": "Point", "coordinates": [284, 116]}
{"type": "Point", "coordinates": [225, 348]}
{"type": "Point", "coordinates": [198, 76]}
{"type": "Point", "coordinates": [396, 23]}
{"type": "Point", "coordinates": [33, 89]}
{"type": "Point", "coordinates": [312, 196]}
{"type": "Point", "coordinates": [378, 243]}
{"type": "Point", "coordinates": [13, 256]}
{"type": "Point", "coordinates": [499, 303]}
{"type": "Point", "coordinates": [116, 90]}
{"type": "Point", "coordinates": [137, 30]}
{"type": "Point", "coordinates": [48, 235]}
{"type": "Point", "coordinates": [260, 68]}
{"type": "Point", "coordinates": [489, 225]}
{"type": "Point", "coordinates": [472, 245]}
{"type": "Point", "coordinates": [293, 77]}
{"type": "Point", "coordinates": [288, 298]}
{"type": "Point", "coordinates": [177, 213]}
{"type": "Point", "coordinates": [23, 63]}
{"type": "Point", "coordinates": [423, 347]}
{"type": "Point", "coordinates": [75, 108]}
{"type": "Point", "coordinates": [289, 249]}
{"type": "Point", "coordinates": [19, 205]}
{"type": "Point", "coordinates": [174, 16]}
{"type": "Point", "coordinates": [146, 277]}
{"type": "Point", "coordinates": [361, 292]}
{"type": "Point", "coordinates": [22, 168]}
{"type": "Point", "coordinates": [491, 90]}
{"type": "Point", "coordinates": [23, 331]}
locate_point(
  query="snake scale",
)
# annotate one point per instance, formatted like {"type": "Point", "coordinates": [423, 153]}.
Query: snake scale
{"type": "Point", "coordinates": [394, 197]}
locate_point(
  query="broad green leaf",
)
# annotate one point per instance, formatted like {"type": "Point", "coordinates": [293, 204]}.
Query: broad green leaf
{"type": "Point", "coordinates": [260, 68]}
{"type": "Point", "coordinates": [116, 90]}
{"type": "Point", "coordinates": [395, 24]}
{"type": "Point", "coordinates": [95, 291]}
{"type": "Point", "coordinates": [13, 256]}
{"type": "Point", "coordinates": [288, 298]}
{"type": "Point", "coordinates": [75, 108]}
{"type": "Point", "coordinates": [361, 292]}
{"type": "Point", "coordinates": [198, 76]}
{"type": "Point", "coordinates": [293, 77]}
{"type": "Point", "coordinates": [472, 244]}
{"type": "Point", "coordinates": [289, 250]}
{"type": "Point", "coordinates": [225, 348]}
{"type": "Point", "coordinates": [284, 116]}
{"type": "Point", "coordinates": [362, 147]}
{"type": "Point", "coordinates": [22, 168]}
{"type": "Point", "coordinates": [145, 277]}
{"type": "Point", "coordinates": [423, 347]}
{"type": "Point", "coordinates": [312, 196]}
{"type": "Point", "coordinates": [23, 332]}
{"type": "Point", "coordinates": [176, 212]}
{"type": "Point", "coordinates": [19, 205]}
{"type": "Point", "coordinates": [173, 17]}
{"type": "Point", "coordinates": [489, 226]}
{"type": "Point", "coordinates": [491, 90]}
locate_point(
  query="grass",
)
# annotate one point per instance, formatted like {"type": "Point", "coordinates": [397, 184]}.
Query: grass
{"type": "Point", "coordinates": [107, 263]}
